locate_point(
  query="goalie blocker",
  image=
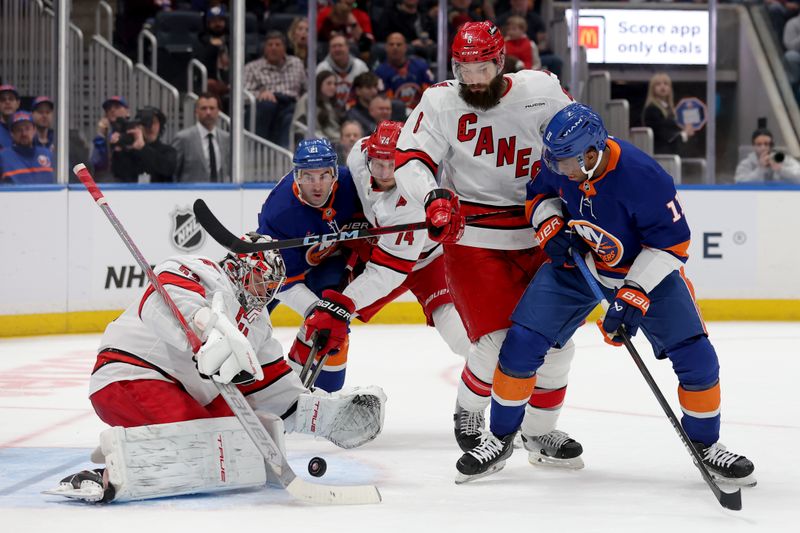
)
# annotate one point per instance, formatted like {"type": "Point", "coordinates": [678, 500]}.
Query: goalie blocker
{"type": "Point", "coordinates": [216, 454]}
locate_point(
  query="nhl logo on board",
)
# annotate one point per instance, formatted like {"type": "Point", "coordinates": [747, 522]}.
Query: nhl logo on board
{"type": "Point", "coordinates": [187, 234]}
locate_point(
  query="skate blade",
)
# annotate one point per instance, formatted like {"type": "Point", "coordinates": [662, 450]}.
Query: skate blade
{"type": "Point", "coordinates": [518, 442]}
{"type": "Point", "coordinates": [747, 481]}
{"type": "Point", "coordinates": [465, 478]}
{"type": "Point", "coordinates": [537, 459]}
{"type": "Point", "coordinates": [86, 493]}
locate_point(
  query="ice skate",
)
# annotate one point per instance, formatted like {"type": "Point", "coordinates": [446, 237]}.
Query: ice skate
{"type": "Point", "coordinates": [725, 466]}
{"type": "Point", "coordinates": [556, 449]}
{"type": "Point", "coordinates": [487, 458]}
{"type": "Point", "coordinates": [86, 485]}
{"type": "Point", "coordinates": [469, 426]}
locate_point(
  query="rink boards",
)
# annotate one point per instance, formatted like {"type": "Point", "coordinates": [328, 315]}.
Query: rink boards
{"type": "Point", "coordinates": [64, 268]}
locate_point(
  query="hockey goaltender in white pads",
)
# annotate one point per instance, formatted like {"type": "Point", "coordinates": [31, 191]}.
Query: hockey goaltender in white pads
{"type": "Point", "coordinates": [216, 454]}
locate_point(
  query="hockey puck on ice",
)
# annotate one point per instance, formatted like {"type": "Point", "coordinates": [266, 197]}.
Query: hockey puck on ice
{"type": "Point", "coordinates": [317, 466]}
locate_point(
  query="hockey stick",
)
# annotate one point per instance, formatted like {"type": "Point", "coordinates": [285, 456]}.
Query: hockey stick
{"type": "Point", "coordinates": [278, 469]}
{"type": "Point", "coordinates": [729, 500]}
{"type": "Point", "coordinates": [220, 233]}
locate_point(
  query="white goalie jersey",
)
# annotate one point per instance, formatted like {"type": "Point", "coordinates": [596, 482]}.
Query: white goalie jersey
{"type": "Point", "coordinates": [488, 157]}
{"type": "Point", "coordinates": [396, 254]}
{"type": "Point", "coordinates": [146, 341]}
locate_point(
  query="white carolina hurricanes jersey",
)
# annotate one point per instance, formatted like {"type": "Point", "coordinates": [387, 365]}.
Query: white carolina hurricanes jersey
{"type": "Point", "coordinates": [396, 254]}
{"type": "Point", "coordinates": [148, 331]}
{"type": "Point", "coordinates": [487, 156]}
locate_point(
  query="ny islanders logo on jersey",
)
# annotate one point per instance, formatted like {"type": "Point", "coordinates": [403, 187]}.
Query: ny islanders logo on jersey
{"type": "Point", "coordinates": [605, 245]}
{"type": "Point", "coordinates": [43, 161]}
{"type": "Point", "coordinates": [186, 235]}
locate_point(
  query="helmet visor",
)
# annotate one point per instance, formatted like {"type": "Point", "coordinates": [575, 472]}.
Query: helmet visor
{"type": "Point", "coordinates": [481, 73]}
{"type": "Point", "coordinates": [570, 166]}
{"type": "Point", "coordinates": [381, 169]}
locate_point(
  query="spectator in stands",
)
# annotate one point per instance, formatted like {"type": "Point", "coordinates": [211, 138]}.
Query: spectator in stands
{"type": "Point", "coordinates": [403, 78]}
{"type": "Point", "coordinates": [518, 44]}
{"type": "Point", "coordinates": [380, 109]}
{"type": "Point", "coordinates": [203, 150]}
{"type": "Point", "coordinates": [139, 154]}
{"type": "Point", "coordinates": [109, 129]}
{"type": "Point", "coordinates": [345, 66]}
{"type": "Point", "coordinates": [9, 104]}
{"type": "Point", "coordinates": [536, 31]}
{"type": "Point", "coordinates": [23, 163]}
{"type": "Point", "coordinates": [765, 163]}
{"type": "Point", "coordinates": [336, 19]}
{"type": "Point", "coordinates": [460, 12]}
{"type": "Point", "coordinates": [278, 81]}
{"type": "Point", "coordinates": [659, 115]}
{"type": "Point", "coordinates": [791, 40]}
{"type": "Point", "coordinates": [365, 87]}
{"type": "Point", "coordinates": [405, 17]}
{"type": "Point", "coordinates": [349, 133]}
{"type": "Point", "coordinates": [328, 115]}
{"type": "Point", "coordinates": [297, 35]}
{"type": "Point", "coordinates": [213, 52]}
{"type": "Point", "coordinates": [42, 113]}
{"type": "Point", "coordinates": [780, 12]}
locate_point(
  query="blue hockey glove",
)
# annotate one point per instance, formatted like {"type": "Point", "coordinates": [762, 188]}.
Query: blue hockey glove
{"type": "Point", "coordinates": [555, 240]}
{"type": "Point", "coordinates": [628, 309]}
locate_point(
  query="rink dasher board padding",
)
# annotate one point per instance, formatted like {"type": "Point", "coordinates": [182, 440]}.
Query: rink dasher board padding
{"type": "Point", "coordinates": [68, 272]}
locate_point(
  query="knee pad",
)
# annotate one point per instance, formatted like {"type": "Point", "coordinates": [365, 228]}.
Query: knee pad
{"type": "Point", "coordinates": [523, 350]}
{"type": "Point", "coordinates": [555, 369]}
{"type": "Point", "coordinates": [475, 386]}
{"type": "Point", "coordinates": [695, 363]}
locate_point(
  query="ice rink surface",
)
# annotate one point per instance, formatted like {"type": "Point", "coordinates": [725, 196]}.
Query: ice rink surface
{"type": "Point", "coordinates": [638, 476]}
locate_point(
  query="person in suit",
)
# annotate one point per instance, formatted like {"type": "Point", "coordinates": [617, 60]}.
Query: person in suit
{"type": "Point", "coordinates": [203, 149]}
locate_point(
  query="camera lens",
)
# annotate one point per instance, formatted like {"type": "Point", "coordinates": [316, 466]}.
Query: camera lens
{"type": "Point", "coordinates": [778, 157]}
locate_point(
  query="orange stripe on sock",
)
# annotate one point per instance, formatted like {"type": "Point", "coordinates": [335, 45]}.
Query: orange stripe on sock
{"type": "Point", "coordinates": [702, 401]}
{"type": "Point", "coordinates": [511, 388]}
{"type": "Point", "coordinates": [340, 358]}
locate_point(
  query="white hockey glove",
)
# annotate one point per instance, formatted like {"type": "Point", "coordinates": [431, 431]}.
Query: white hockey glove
{"type": "Point", "coordinates": [226, 356]}
{"type": "Point", "coordinates": [348, 418]}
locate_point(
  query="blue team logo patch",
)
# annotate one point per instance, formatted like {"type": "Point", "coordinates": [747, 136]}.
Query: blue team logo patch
{"type": "Point", "coordinates": [43, 161]}
{"type": "Point", "coordinates": [317, 253]}
{"type": "Point", "coordinates": [604, 244]}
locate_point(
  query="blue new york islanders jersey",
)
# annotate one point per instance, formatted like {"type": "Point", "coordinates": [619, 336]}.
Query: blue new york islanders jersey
{"type": "Point", "coordinates": [285, 216]}
{"type": "Point", "coordinates": [631, 206]}
{"type": "Point", "coordinates": [407, 82]}
{"type": "Point", "coordinates": [23, 165]}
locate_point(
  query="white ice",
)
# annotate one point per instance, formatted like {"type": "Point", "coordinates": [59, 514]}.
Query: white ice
{"type": "Point", "coordinates": [638, 476]}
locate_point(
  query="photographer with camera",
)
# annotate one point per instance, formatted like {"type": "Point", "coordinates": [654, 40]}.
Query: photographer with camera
{"type": "Point", "coordinates": [138, 154]}
{"type": "Point", "coordinates": [115, 107]}
{"type": "Point", "coordinates": [766, 164]}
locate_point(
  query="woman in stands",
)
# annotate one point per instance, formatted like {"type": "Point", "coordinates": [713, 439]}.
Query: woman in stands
{"type": "Point", "coordinates": [328, 117]}
{"type": "Point", "coordinates": [659, 115]}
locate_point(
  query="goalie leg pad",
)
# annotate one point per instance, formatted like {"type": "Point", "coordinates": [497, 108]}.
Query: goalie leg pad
{"type": "Point", "coordinates": [348, 418]}
{"type": "Point", "coordinates": [213, 454]}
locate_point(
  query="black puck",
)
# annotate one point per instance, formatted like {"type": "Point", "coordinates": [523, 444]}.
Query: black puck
{"type": "Point", "coordinates": [317, 466]}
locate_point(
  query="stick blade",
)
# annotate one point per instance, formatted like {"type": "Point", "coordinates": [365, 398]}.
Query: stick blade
{"type": "Point", "coordinates": [219, 232]}
{"type": "Point", "coordinates": [333, 494]}
{"type": "Point", "coordinates": [731, 500]}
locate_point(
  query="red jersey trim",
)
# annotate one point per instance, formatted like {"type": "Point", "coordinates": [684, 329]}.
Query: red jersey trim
{"type": "Point", "coordinates": [170, 278]}
{"type": "Point", "coordinates": [385, 259]}
{"type": "Point", "coordinates": [402, 157]}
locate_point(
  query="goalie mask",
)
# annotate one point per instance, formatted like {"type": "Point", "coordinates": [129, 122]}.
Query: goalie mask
{"type": "Point", "coordinates": [257, 276]}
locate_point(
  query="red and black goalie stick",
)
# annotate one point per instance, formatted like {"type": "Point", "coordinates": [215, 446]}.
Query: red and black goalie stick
{"type": "Point", "coordinates": [278, 469]}
{"type": "Point", "coordinates": [729, 500]}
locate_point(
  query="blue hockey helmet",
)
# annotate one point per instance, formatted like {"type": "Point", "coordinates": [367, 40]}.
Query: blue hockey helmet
{"type": "Point", "coordinates": [570, 133]}
{"type": "Point", "coordinates": [314, 153]}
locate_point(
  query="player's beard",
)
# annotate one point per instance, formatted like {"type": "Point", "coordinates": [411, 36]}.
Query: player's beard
{"type": "Point", "coordinates": [483, 100]}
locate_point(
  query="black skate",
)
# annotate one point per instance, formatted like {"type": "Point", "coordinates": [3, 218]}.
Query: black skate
{"type": "Point", "coordinates": [554, 449]}
{"type": "Point", "coordinates": [726, 466]}
{"type": "Point", "coordinates": [86, 485]}
{"type": "Point", "coordinates": [487, 458]}
{"type": "Point", "coordinates": [468, 428]}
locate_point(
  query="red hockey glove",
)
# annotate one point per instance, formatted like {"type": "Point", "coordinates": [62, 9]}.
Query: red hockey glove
{"type": "Point", "coordinates": [627, 309]}
{"type": "Point", "coordinates": [330, 320]}
{"type": "Point", "coordinates": [443, 217]}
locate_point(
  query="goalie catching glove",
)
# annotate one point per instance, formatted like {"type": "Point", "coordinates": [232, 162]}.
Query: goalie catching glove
{"type": "Point", "coordinates": [226, 356]}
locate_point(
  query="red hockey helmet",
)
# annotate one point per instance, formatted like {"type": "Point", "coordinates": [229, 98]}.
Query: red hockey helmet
{"type": "Point", "coordinates": [383, 141]}
{"type": "Point", "coordinates": [478, 41]}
